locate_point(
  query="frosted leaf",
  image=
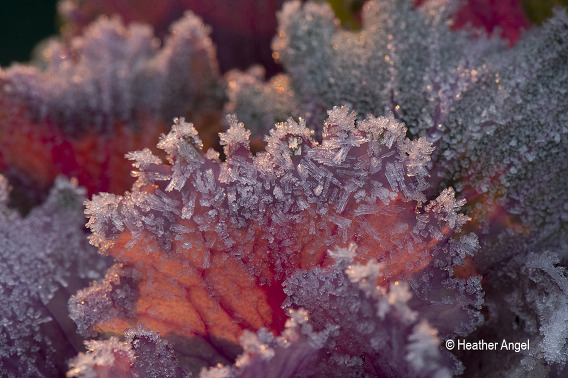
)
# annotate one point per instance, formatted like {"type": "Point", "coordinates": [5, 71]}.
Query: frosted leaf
{"type": "Point", "coordinates": [205, 262]}
{"type": "Point", "coordinates": [113, 72]}
{"type": "Point", "coordinates": [241, 41]}
{"type": "Point", "coordinates": [102, 94]}
{"type": "Point", "coordinates": [44, 257]}
{"type": "Point", "coordinates": [417, 72]}
{"type": "Point", "coordinates": [502, 133]}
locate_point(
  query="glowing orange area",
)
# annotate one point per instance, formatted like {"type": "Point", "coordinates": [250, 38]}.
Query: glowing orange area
{"type": "Point", "coordinates": [200, 290]}
{"type": "Point", "coordinates": [41, 150]}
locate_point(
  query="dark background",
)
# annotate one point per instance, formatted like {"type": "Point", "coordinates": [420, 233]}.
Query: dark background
{"type": "Point", "coordinates": [23, 23]}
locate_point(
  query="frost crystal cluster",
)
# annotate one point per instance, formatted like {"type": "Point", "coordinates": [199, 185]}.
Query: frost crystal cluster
{"type": "Point", "coordinates": [44, 259]}
{"type": "Point", "coordinates": [395, 189]}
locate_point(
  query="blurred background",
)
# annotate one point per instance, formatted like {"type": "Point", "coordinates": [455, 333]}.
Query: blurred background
{"type": "Point", "coordinates": [23, 24]}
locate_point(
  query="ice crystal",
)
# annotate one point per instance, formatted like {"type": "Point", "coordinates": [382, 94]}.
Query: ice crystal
{"type": "Point", "coordinates": [45, 258]}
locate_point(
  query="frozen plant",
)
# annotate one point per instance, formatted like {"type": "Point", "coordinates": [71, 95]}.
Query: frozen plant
{"type": "Point", "coordinates": [416, 195]}
{"type": "Point", "coordinates": [210, 249]}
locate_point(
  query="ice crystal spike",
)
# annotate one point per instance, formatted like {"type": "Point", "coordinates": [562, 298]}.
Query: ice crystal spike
{"type": "Point", "coordinates": [44, 258]}
{"type": "Point", "coordinates": [205, 246]}
{"type": "Point", "coordinates": [235, 138]}
{"type": "Point", "coordinates": [102, 94]}
{"type": "Point", "coordinates": [288, 140]}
